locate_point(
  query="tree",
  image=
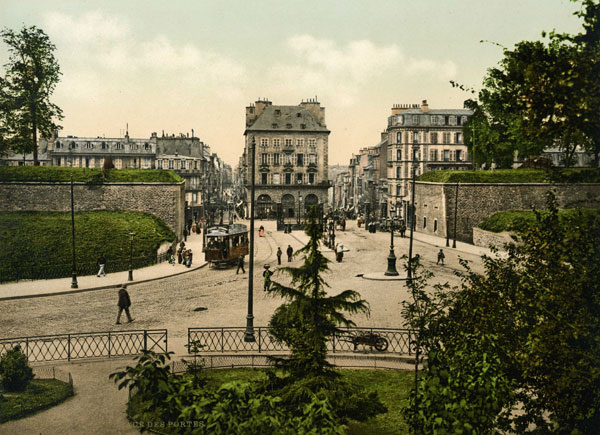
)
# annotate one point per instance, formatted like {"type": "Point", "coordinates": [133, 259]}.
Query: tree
{"type": "Point", "coordinates": [542, 94]}
{"type": "Point", "coordinates": [525, 333]}
{"type": "Point", "coordinates": [32, 73]}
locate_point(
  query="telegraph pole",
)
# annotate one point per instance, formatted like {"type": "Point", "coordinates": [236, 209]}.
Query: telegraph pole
{"type": "Point", "coordinates": [249, 334]}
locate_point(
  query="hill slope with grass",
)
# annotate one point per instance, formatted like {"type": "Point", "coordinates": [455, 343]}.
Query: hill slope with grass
{"type": "Point", "coordinates": [514, 176]}
{"type": "Point", "coordinates": [86, 175]}
{"type": "Point", "coordinates": [38, 244]}
{"type": "Point", "coordinates": [517, 220]}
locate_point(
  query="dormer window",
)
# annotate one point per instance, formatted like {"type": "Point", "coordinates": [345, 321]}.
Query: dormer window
{"type": "Point", "coordinates": [274, 125]}
{"type": "Point", "coordinates": [298, 115]}
{"type": "Point", "coordinates": [58, 145]}
{"type": "Point", "coordinates": [288, 126]}
{"type": "Point", "coordinates": [277, 112]}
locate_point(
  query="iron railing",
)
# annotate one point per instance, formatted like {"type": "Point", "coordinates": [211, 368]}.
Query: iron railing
{"type": "Point", "coordinates": [42, 270]}
{"type": "Point", "coordinates": [231, 339]}
{"type": "Point", "coordinates": [87, 344]}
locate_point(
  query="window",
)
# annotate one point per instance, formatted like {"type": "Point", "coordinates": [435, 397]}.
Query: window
{"type": "Point", "coordinates": [398, 137]}
{"type": "Point", "coordinates": [458, 138]}
{"type": "Point", "coordinates": [434, 225]}
{"type": "Point", "coordinates": [398, 190]}
{"type": "Point", "coordinates": [276, 142]}
{"type": "Point", "coordinates": [300, 142]}
{"type": "Point", "coordinates": [159, 164]}
{"type": "Point", "coordinates": [276, 160]}
{"type": "Point", "coordinates": [288, 178]}
{"type": "Point", "coordinates": [424, 222]}
{"type": "Point", "coordinates": [288, 142]}
{"type": "Point", "coordinates": [170, 164]}
{"type": "Point", "coordinates": [119, 146]}
{"type": "Point", "coordinates": [87, 162]}
{"type": "Point", "coordinates": [398, 155]}
{"type": "Point", "coordinates": [274, 125]}
{"type": "Point", "coordinates": [416, 154]}
{"type": "Point", "coordinates": [264, 159]}
{"type": "Point", "coordinates": [300, 159]}
{"type": "Point", "coordinates": [289, 159]}
{"type": "Point", "coordinates": [182, 163]}
{"type": "Point", "coordinates": [452, 120]}
{"type": "Point", "coordinates": [312, 158]}
{"type": "Point", "coordinates": [459, 156]}
{"type": "Point", "coordinates": [398, 172]}
{"type": "Point", "coordinates": [276, 179]}
{"type": "Point", "coordinates": [446, 137]}
{"type": "Point", "coordinates": [415, 119]}
{"type": "Point", "coordinates": [302, 126]}
{"type": "Point", "coordinates": [298, 178]}
{"type": "Point", "coordinates": [133, 146]}
{"type": "Point", "coordinates": [433, 155]}
{"type": "Point", "coordinates": [312, 142]}
{"type": "Point", "coordinates": [446, 155]}
{"type": "Point", "coordinates": [264, 142]}
{"type": "Point", "coordinates": [146, 146]}
{"type": "Point", "coordinates": [415, 137]}
{"type": "Point", "coordinates": [288, 125]}
{"type": "Point", "coordinates": [434, 137]}
{"type": "Point", "coordinates": [277, 112]}
{"type": "Point", "coordinates": [263, 178]}
{"type": "Point", "coordinates": [311, 178]}
{"type": "Point", "coordinates": [464, 120]}
{"type": "Point", "coordinates": [406, 137]}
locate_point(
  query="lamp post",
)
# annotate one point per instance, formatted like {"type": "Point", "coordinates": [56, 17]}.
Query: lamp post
{"type": "Point", "coordinates": [299, 205]}
{"type": "Point", "coordinates": [74, 271]}
{"type": "Point", "coordinates": [455, 215]}
{"type": "Point", "coordinates": [412, 218]}
{"type": "Point", "coordinates": [249, 334]}
{"type": "Point", "coordinates": [391, 271]}
{"type": "Point", "coordinates": [130, 278]}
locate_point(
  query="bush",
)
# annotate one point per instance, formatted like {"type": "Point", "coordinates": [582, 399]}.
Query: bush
{"type": "Point", "coordinates": [86, 175]}
{"type": "Point", "coordinates": [15, 370]}
{"type": "Point", "coordinates": [518, 220]}
{"type": "Point", "coordinates": [554, 175]}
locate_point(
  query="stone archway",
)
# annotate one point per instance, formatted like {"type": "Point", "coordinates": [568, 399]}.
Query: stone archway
{"type": "Point", "coordinates": [265, 207]}
{"type": "Point", "coordinates": [288, 205]}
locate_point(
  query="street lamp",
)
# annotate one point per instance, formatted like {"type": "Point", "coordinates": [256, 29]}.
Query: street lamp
{"type": "Point", "coordinates": [74, 271]}
{"type": "Point", "coordinates": [412, 217]}
{"type": "Point", "coordinates": [130, 278]}
{"type": "Point", "coordinates": [391, 271]}
{"type": "Point", "coordinates": [249, 334]}
{"type": "Point", "coordinates": [299, 205]}
{"type": "Point", "coordinates": [455, 215]}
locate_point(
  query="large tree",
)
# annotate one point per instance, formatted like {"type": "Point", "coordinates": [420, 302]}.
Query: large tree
{"type": "Point", "coordinates": [32, 73]}
{"type": "Point", "coordinates": [542, 94]}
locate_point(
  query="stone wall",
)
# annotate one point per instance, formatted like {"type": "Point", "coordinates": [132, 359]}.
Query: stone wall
{"type": "Point", "coordinates": [486, 239]}
{"type": "Point", "coordinates": [165, 201]}
{"type": "Point", "coordinates": [478, 201]}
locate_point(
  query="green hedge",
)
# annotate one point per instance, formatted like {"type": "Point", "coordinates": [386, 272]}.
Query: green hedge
{"type": "Point", "coordinates": [39, 394]}
{"type": "Point", "coordinates": [37, 245]}
{"type": "Point", "coordinates": [517, 220]}
{"type": "Point", "coordinates": [86, 175]}
{"type": "Point", "coordinates": [514, 176]}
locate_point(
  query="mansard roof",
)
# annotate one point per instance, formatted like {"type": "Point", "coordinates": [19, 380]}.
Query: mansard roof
{"type": "Point", "coordinates": [286, 118]}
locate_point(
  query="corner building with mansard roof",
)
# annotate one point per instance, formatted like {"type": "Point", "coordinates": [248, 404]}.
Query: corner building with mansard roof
{"type": "Point", "coordinates": [291, 148]}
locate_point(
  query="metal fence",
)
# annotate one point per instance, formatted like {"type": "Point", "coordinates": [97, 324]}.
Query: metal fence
{"type": "Point", "coordinates": [355, 340]}
{"type": "Point", "coordinates": [45, 372]}
{"type": "Point", "coordinates": [87, 345]}
{"type": "Point", "coordinates": [42, 270]}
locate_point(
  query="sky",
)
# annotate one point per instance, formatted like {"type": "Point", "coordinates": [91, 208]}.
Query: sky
{"type": "Point", "coordinates": [196, 64]}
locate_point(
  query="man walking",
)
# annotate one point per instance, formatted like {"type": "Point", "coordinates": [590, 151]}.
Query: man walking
{"type": "Point", "coordinates": [440, 257]}
{"type": "Point", "coordinates": [267, 275]}
{"type": "Point", "coordinates": [290, 253]}
{"type": "Point", "coordinates": [101, 264]}
{"type": "Point", "coordinates": [279, 253]}
{"type": "Point", "coordinates": [124, 304]}
{"type": "Point", "coordinates": [240, 264]}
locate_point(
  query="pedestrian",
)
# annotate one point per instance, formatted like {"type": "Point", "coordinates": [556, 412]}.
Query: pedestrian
{"type": "Point", "coordinates": [440, 257]}
{"type": "Point", "coordinates": [185, 234]}
{"type": "Point", "coordinates": [267, 275]}
{"type": "Point", "coordinates": [279, 253]}
{"type": "Point", "coordinates": [339, 252]}
{"type": "Point", "coordinates": [240, 264]}
{"type": "Point", "coordinates": [170, 256]}
{"type": "Point", "coordinates": [261, 231]}
{"type": "Point", "coordinates": [124, 304]}
{"type": "Point", "coordinates": [182, 245]}
{"type": "Point", "coordinates": [290, 252]}
{"type": "Point", "coordinates": [101, 265]}
{"type": "Point", "coordinates": [179, 255]}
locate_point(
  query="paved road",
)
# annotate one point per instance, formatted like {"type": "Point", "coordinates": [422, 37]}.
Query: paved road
{"type": "Point", "coordinates": [170, 303]}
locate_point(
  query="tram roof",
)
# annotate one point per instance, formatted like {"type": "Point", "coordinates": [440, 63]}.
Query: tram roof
{"type": "Point", "coordinates": [226, 230]}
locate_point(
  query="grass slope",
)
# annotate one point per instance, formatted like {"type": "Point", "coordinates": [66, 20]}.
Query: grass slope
{"type": "Point", "coordinates": [86, 175]}
{"type": "Point", "coordinates": [38, 244]}
{"type": "Point", "coordinates": [393, 387]}
{"type": "Point", "coordinates": [514, 176]}
{"type": "Point", "coordinates": [517, 220]}
{"type": "Point", "coordinates": [39, 394]}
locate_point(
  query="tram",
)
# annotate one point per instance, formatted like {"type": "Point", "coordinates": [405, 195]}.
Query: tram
{"type": "Point", "coordinates": [224, 244]}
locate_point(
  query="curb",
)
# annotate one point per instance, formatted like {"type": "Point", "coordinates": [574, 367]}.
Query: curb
{"type": "Point", "coordinates": [67, 292]}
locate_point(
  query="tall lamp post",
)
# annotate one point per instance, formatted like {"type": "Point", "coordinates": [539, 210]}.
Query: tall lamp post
{"type": "Point", "coordinates": [130, 278]}
{"type": "Point", "coordinates": [249, 334]}
{"type": "Point", "coordinates": [299, 206]}
{"type": "Point", "coordinates": [412, 218]}
{"type": "Point", "coordinates": [74, 271]}
{"type": "Point", "coordinates": [391, 271]}
{"type": "Point", "coordinates": [455, 215]}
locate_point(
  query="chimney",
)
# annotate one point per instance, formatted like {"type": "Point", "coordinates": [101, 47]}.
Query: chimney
{"type": "Point", "coordinates": [314, 108]}
{"type": "Point", "coordinates": [425, 106]}
{"type": "Point", "coordinates": [399, 108]}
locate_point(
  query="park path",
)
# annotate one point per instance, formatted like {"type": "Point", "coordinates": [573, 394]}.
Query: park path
{"type": "Point", "coordinates": [98, 406]}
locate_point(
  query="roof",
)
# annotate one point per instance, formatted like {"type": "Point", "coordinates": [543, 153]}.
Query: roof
{"type": "Point", "coordinates": [466, 112]}
{"type": "Point", "coordinates": [288, 118]}
{"type": "Point", "coordinates": [224, 230]}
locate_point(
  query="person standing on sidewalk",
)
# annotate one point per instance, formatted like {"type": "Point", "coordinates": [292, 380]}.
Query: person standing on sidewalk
{"type": "Point", "coordinates": [279, 253]}
{"type": "Point", "coordinates": [240, 264]}
{"type": "Point", "coordinates": [440, 257]}
{"type": "Point", "coordinates": [185, 234]}
{"type": "Point", "coordinates": [290, 253]}
{"type": "Point", "coordinates": [267, 275]}
{"type": "Point", "coordinates": [124, 304]}
{"type": "Point", "coordinates": [101, 264]}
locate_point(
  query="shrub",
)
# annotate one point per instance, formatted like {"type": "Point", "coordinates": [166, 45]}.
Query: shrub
{"type": "Point", "coordinates": [86, 175]}
{"type": "Point", "coordinates": [554, 175]}
{"type": "Point", "coordinates": [15, 370]}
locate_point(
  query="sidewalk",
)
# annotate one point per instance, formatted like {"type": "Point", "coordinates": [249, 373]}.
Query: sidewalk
{"type": "Point", "coordinates": [49, 287]}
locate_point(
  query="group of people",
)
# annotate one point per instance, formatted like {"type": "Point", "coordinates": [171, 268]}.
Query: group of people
{"type": "Point", "coordinates": [184, 255]}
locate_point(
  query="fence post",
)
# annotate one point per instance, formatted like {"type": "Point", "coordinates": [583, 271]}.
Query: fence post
{"type": "Point", "coordinates": [109, 344]}
{"type": "Point", "coordinates": [409, 343]}
{"type": "Point", "coordinates": [259, 342]}
{"type": "Point", "coordinates": [145, 340]}
{"type": "Point", "coordinates": [27, 348]}
{"type": "Point", "coordinates": [69, 348]}
{"type": "Point", "coordinates": [166, 341]}
{"type": "Point", "coordinates": [222, 341]}
{"type": "Point", "coordinates": [333, 339]}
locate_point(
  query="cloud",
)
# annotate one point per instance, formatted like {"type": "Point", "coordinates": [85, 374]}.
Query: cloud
{"type": "Point", "coordinates": [344, 72]}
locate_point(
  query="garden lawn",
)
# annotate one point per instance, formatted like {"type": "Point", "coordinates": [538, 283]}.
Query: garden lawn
{"type": "Point", "coordinates": [39, 394]}
{"type": "Point", "coordinates": [517, 220]}
{"type": "Point", "coordinates": [393, 387]}
{"type": "Point", "coordinates": [86, 175]}
{"type": "Point", "coordinates": [513, 176]}
{"type": "Point", "coordinates": [37, 245]}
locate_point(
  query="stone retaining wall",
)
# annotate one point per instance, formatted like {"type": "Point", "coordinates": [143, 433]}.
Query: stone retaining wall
{"type": "Point", "coordinates": [485, 239]}
{"type": "Point", "coordinates": [163, 200]}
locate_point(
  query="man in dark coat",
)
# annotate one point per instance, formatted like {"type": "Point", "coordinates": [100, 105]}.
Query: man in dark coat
{"type": "Point", "coordinates": [440, 257]}
{"type": "Point", "coordinates": [290, 252]}
{"type": "Point", "coordinates": [267, 275]}
{"type": "Point", "coordinates": [124, 304]}
{"type": "Point", "coordinates": [240, 264]}
{"type": "Point", "coordinates": [101, 265]}
{"type": "Point", "coordinates": [279, 253]}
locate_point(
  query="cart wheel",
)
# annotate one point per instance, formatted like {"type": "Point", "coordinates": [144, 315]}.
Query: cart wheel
{"type": "Point", "coordinates": [381, 344]}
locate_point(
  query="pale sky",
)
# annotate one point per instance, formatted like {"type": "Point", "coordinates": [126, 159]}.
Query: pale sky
{"type": "Point", "coordinates": [182, 64]}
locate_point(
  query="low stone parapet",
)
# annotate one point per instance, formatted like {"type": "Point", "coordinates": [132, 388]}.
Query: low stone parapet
{"type": "Point", "coordinates": [486, 239]}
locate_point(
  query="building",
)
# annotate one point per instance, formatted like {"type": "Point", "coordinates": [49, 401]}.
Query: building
{"type": "Point", "coordinates": [291, 151]}
{"type": "Point", "coordinates": [422, 139]}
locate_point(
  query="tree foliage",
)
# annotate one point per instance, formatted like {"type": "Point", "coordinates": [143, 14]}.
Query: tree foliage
{"type": "Point", "coordinates": [523, 335]}
{"type": "Point", "coordinates": [32, 73]}
{"type": "Point", "coordinates": [15, 372]}
{"type": "Point", "coordinates": [541, 94]}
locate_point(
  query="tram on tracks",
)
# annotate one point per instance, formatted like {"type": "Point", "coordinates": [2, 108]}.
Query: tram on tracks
{"type": "Point", "coordinates": [224, 244]}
